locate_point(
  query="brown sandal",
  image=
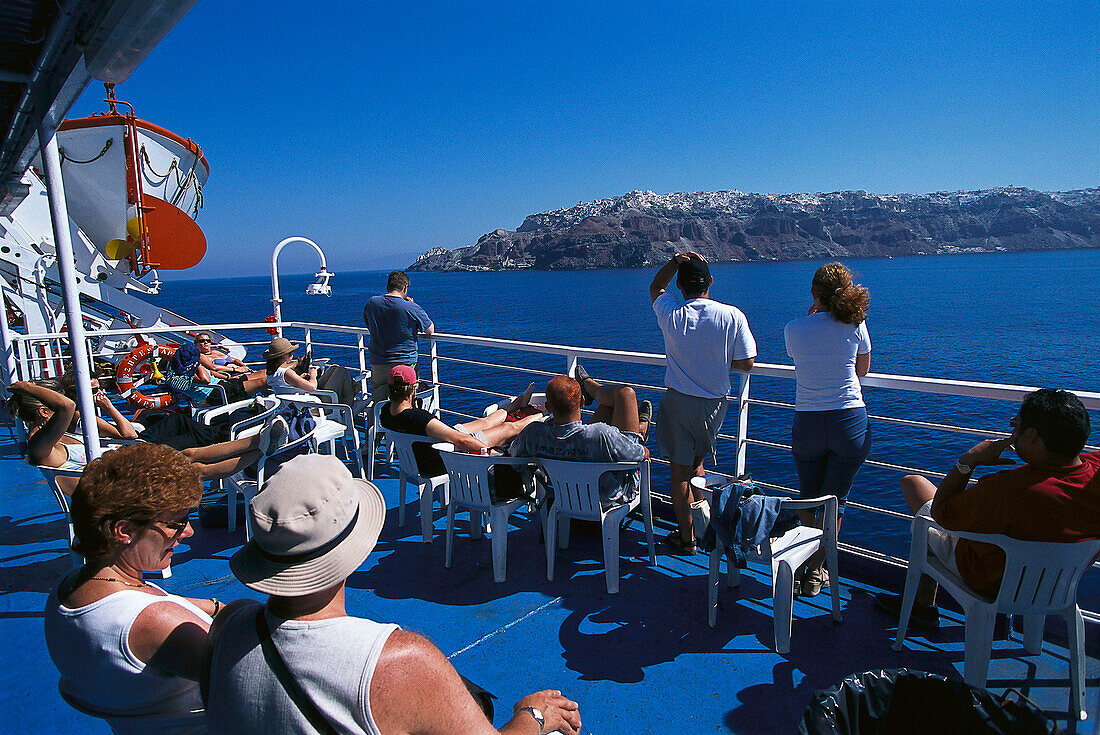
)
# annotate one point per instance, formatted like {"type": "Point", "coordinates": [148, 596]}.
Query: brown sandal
{"type": "Point", "coordinates": [679, 546]}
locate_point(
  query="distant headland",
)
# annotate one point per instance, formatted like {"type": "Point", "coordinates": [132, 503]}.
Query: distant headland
{"type": "Point", "coordinates": [641, 229]}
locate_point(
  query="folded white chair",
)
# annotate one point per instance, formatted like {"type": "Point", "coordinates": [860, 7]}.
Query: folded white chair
{"type": "Point", "coordinates": [410, 472]}
{"type": "Point", "coordinates": [469, 489]}
{"type": "Point", "coordinates": [576, 489]}
{"type": "Point", "coordinates": [1040, 579]}
{"type": "Point", "coordinates": [783, 556]}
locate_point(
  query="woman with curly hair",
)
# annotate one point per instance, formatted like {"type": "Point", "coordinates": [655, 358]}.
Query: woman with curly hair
{"type": "Point", "coordinates": [830, 440]}
{"type": "Point", "coordinates": [126, 649]}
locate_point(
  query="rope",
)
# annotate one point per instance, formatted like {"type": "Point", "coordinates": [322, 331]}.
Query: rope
{"type": "Point", "coordinates": [106, 147]}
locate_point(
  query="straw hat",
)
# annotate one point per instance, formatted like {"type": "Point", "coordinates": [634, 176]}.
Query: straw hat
{"type": "Point", "coordinates": [278, 347]}
{"type": "Point", "coordinates": [313, 524]}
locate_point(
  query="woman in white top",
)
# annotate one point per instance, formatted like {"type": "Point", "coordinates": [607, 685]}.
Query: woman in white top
{"type": "Point", "coordinates": [127, 650]}
{"type": "Point", "coordinates": [47, 414]}
{"type": "Point", "coordinates": [285, 375]}
{"type": "Point", "coordinates": [830, 439]}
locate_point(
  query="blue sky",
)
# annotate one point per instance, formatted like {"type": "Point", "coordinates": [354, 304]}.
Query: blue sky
{"type": "Point", "coordinates": [383, 129]}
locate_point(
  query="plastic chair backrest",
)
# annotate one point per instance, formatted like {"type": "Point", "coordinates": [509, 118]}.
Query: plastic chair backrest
{"type": "Point", "coordinates": [469, 474]}
{"type": "Point", "coordinates": [577, 484]}
{"type": "Point", "coordinates": [1040, 576]}
{"type": "Point", "coordinates": [403, 444]}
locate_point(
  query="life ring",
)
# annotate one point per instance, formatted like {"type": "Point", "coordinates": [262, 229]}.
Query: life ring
{"type": "Point", "coordinates": [124, 375]}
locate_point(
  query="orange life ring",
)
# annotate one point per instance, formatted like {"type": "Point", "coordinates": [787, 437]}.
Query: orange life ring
{"type": "Point", "coordinates": [124, 375]}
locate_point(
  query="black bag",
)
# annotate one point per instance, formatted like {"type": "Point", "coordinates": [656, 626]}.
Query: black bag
{"type": "Point", "coordinates": [903, 702]}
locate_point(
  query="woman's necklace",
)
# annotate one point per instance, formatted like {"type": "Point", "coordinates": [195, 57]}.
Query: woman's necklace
{"type": "Point", "coordinates": [120, 581]}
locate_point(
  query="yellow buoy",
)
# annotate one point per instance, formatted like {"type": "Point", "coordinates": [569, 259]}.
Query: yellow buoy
{"type": "Point", "coordinates": [118, 249]}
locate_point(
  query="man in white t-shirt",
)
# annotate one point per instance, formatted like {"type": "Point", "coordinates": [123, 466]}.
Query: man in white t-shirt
{"type": "Point", "coordinates": [704, 340]}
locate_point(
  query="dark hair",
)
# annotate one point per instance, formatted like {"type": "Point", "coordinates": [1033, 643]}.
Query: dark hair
{"type": "Point", "coordinates": [274, 363]}
{"type": "Point", "coordinates": [1059, 418]}
{"type": "Point", "coordinates": [398, 281]}
{"type": "Point", "coordinates": [563, 394]}
{"type": "Point", "coordinates": [136, 484]}
{"type": "Point", "coordinates": [25, 407]}
{"type": "Point", "coordinates": [845, 300]}
{"type": "Point", "coordinates": [400, 391]}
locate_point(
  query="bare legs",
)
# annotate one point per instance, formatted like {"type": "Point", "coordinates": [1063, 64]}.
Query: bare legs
{"type": "Point", "coordinates": [917, 491]}
{"type": "Point", "coordinates": [683, 495]}
{"type": "Point", "coordinates": [618, 406]}
{"type": "Point", "coordinates": [225, 458]}
{"type": "Point", "coordinates": [496, 428]}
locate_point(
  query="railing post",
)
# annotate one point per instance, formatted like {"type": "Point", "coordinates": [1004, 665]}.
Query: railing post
{"type": "Point", "coordinates": [308, 339]}
{"type": "Point", "coordinates": [364, 381]}
{"type": "Point", "coordinates": [24, 365]}
{"type": "Point", "coordinates": [742, 423]}
{"type": "Point", "coordinates": [433, 352]}
{"type": "Point", "coordinates": [570, 364]}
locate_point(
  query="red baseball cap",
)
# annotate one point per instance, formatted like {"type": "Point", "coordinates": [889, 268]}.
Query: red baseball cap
{"type": "Point", "coordinates": [403, 374]}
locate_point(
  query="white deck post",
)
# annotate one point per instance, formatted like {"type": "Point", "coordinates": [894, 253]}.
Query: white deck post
{"type": "Point", "coordinates": [742, 422]}
{"type": "Point", "coordinates": [6, 342]}
{"type": "Point", "coordinates": [74, 319]}
{"type": "Point", "coordinates": [433, 352]}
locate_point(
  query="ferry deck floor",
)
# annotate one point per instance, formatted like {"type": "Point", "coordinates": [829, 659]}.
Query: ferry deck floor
{"type": "Point", "coordinates": [641, 661]}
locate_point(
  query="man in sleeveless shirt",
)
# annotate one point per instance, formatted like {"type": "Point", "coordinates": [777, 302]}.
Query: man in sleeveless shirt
{"type": "Point", "coordinates": [394, 321]}
{"type": "Point", "coordinates": [704, 340]}
{"type": "Point", "coordinates": [301, 664]}
{"type": "Point", "coordinates": [1054, 496]}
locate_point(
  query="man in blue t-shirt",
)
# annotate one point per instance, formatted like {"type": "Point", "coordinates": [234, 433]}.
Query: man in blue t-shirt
{"type": "Point", "coordinates": [616, 433]}
{"type": "Point", "coordinates": [394, 321]}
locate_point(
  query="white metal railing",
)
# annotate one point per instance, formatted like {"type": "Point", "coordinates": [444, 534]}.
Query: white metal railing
{"type": "Point", "coordinates": [569, 354]}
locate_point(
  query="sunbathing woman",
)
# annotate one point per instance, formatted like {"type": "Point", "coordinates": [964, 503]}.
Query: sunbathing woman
{"type": "Point", "coordinates": [493, 430]}
{"type": "Point", "coordinates": [118, 427]}
{"type": "Point", "coordinates": [217, 362]}
{"type": "Point", "coordinates": [48, 414]}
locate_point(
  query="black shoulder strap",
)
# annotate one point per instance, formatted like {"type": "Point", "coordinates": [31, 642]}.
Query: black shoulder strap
{"type": "Point", "coordinates": [278, 667]}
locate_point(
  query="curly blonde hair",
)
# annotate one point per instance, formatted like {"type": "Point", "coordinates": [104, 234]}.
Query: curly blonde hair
{"type": "Point", "coordinates": [845, 300]}
{"type": "Point", "coordinates": [136, 484]}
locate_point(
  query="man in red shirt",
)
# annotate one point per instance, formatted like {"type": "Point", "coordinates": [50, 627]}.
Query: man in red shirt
{"type": "Point", "coordinates": [1055, 496]}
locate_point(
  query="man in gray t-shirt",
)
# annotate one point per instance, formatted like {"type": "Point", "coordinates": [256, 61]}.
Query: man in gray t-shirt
{"type": "Point", "coordinates": [564, 436]}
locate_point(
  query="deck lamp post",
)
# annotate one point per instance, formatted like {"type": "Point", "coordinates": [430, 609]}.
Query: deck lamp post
{"type": "Point", "coordinates": [320, 287]}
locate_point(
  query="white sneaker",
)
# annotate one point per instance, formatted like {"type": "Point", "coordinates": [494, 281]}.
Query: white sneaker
{"type": "Point", "coordinates": [273, 436]}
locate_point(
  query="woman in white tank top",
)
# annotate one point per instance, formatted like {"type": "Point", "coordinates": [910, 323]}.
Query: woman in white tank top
{"type": "Point", "coordinates": [128, 651]}
{"type": "Point", "coordinates": [283, 376]}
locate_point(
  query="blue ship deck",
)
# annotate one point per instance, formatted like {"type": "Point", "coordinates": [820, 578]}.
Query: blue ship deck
{"type": "Point", "coordinates": [644, 660]}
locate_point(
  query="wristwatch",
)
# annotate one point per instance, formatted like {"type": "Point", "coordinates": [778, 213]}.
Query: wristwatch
{"type": "Point", "coordinates": [537, 714]}
{"type": "Point", "coordinates": [964, 469]}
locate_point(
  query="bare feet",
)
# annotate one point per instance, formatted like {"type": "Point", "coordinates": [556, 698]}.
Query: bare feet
{"type": "Point", "coordinates": [522, 400]}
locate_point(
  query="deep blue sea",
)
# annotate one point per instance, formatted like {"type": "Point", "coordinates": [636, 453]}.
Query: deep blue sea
{"type": "Point", "coordinates": [1019, 318]}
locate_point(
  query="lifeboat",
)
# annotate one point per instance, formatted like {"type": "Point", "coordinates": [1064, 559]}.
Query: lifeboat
{"type": "Point", "coordinates": [134, 189]}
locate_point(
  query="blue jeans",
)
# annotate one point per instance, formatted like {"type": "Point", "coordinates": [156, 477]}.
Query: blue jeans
{"type": "Point", "coordinates": [829, 448]}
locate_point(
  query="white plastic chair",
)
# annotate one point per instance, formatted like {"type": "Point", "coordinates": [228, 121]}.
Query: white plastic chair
{"type": "Point", "coordinates": [247, 488]}
{"type": "Point", "coordinates": [469, 488]}
{"type": "Point", "coordinates": [426, 486]}
{"type": "Point", "coordinates": [335, 422]}
{"type": "Point", "coordinates": [51, 475]}
{"type": "Point", "coordinates": [783, 555]}
{"type": "Point", "coordinates": [237, 485]}
{"type": "Point", "coordinates": [1040, 579]}
{"type": "Point", "coordinates": [576, 488]}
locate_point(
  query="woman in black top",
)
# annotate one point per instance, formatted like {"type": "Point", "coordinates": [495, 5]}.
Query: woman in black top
{"type": "Point", "coordinates": [473, 436]}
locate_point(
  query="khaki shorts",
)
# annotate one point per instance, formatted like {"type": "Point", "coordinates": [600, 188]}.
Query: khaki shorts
{"type": "Point", "coordinates": [941, 543]}
{"type": "Point", "coordinates": [687, 426]}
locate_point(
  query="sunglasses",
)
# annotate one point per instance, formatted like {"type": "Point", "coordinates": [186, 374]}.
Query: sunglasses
{"type": "Point", "coordinates": [204, 341]}
{"type": "Point", "coordinates": [176, 527]}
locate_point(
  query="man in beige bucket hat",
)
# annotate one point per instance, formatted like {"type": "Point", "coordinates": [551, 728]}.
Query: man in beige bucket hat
{"type": "Point", "coordinates": [301, 664]}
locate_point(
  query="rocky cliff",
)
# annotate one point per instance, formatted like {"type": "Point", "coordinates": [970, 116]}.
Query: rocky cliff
{"type": "Point", "coordinates": [641, 228]}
